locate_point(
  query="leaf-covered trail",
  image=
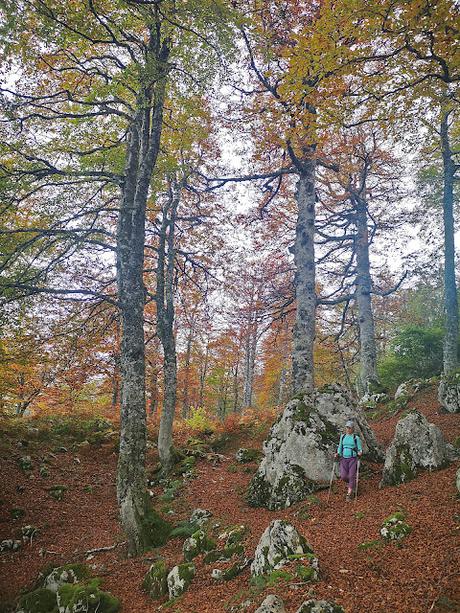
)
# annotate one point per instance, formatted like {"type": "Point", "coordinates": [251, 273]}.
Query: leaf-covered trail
{"type": "Point", "coordinates": [409, 578]}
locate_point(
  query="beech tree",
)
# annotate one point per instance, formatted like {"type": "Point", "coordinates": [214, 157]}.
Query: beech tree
{"type": "Point", "coordinates": [94, 87]}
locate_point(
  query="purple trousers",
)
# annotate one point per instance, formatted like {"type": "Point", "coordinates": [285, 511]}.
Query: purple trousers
{"type": "Point", "coordinates": [348, 468]}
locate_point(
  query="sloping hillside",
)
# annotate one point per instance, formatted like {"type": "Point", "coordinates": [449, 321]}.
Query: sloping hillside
{"type": "Point", "coordinates": [419, 575]}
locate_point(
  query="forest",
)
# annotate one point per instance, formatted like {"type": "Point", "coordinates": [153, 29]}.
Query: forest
{"type": "Point", "coordinates": [228, 241]}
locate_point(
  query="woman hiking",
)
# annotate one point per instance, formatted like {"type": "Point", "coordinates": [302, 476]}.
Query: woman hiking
{"type": "Point", "coordinates": [349, 450]}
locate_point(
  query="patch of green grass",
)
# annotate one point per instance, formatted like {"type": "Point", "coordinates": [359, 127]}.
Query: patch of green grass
{"type": "Point", "coordinates": [376, 544]}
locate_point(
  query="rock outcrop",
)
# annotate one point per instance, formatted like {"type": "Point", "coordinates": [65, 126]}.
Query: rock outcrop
{"type": "Point", "coordinates": [300, 448]}
{"type": "Point", "coordinates": [449, 393]}
{"type": "Point", "coordinates": [417, 445]}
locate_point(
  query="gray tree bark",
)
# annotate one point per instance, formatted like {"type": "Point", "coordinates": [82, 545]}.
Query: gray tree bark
{"type": "Point", "coordinates": [249, 361]}
{"type": "Point", "coordinates": [142, 152]}
{"type": "Point", "coordinates": [188, 354]}
{"type": "Point", "coordinates": [305, 278]}
{"type": "Point", "coordinates": [203, 373]}
{"type": "Point", "coordinates": [165, 325]}
{"type": "Point", "coordinates": [450, 286]}
{"type": "Point", "coordinates": [363, 287]}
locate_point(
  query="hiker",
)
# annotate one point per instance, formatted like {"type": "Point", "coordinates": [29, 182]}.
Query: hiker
{"type": "Point", "coordinates": [349, 450]}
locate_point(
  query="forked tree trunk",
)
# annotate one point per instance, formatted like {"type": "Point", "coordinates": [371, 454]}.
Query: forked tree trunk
{"type": "Point", "coordinates": [305, 277]}
{"type": "Point", "coordinates": [450, 286]}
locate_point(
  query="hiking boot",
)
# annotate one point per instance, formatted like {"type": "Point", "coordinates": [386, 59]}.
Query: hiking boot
{"type": "Point", "coordinates": [349, 497]}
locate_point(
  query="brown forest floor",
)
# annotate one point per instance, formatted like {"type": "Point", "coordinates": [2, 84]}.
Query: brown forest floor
{"type": "Point", "coordinates": [422, 575]}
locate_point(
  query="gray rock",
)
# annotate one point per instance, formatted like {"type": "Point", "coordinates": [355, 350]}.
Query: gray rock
{"type": "Point", "coordinates": [370, 401]}
{"type": "Point", "coordinates": [155, 581]}
{"type": "Point", "coordinates": [9, 545]}
{"type": "Point", "coordinates": [179, 579]}
{"type": "Point", "coordinates": [395, 527]}
{"type": "Point", "coordinates": [449, 393]}
{"type": "Point", "coordinates": [28, 533]}
{"type": "Point", "coordinates": [320, 606]}
{"type": "Point", "coordinates": [200, 517]}
{"type": "Point", "coordinates": [71, 573]}
{"type": "Point", "coordinates": [272, 604]}
{"type": "Point", "coordinates": [417, 445]}
{"type": "Point", "coordinates": [216, 574]}
{"type": "Point", "coordinates": [279, 541]}
{"type": "Point", "coordinates": [458, 480]}
{"type": "Point", "coordinates": [300, 448]}
{"type": "Point", "coordinates": [409, 388]}
{"type": "Point", "coordinates": [243, 455]}
{"type": "Point", "coordinates": [198, 543]}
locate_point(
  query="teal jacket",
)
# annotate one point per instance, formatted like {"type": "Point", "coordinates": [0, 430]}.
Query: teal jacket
{"type": "Point", "coordinates": [347, 447]}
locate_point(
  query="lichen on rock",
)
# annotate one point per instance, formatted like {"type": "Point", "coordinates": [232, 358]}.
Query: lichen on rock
{"type": "Point", "coordinates": [70, 573]}
{"type": "Point", "coordinates": [300, 447]}
{"type": "Point", "coordinates": [179, 578]}
{"type": "Point", "coordinates": [417, 445]}
{"type": "Point", "coordinates": [155, 581]}
{"type": "Point", "coordinates": [198, 543]}
{"type": "Point", "coordinates": [449, 392]}
{"type": "Point", "coordinates": [277, 545]}
{"type": "Point", "coordinates": [271, 604]}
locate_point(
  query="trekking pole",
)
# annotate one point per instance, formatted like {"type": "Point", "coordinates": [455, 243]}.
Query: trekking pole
{"type": "Point", "coordinates": [357, 478]}
{"type": "Point", "coordinates": [331, 480]}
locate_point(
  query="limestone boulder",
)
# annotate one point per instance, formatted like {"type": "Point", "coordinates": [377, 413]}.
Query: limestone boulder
{"type": "Point", "coordinates": [279, 545]}
{"type": "Point", "coordinates": [200, 517]}
{"type": "Point", "coordinates": [155, 581]}
{"type": "Point", "coordinates": [417, 445]}
{"type": "Point", "coordinates": [299, 451]}
{"type": "Point", "coordinates": [449, 393]}
{"type": "Point", "coordinates": [179, 579]}
{"type": "Point", "coordinates": [271, 604]}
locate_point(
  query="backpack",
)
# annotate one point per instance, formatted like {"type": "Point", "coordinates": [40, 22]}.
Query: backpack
{"type": "Point", "coordinates": [354, 449]}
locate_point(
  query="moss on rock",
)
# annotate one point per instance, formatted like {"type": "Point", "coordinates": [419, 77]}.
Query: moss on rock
{"type": "Point", "coordinates": [155, 581]}
{"type": "Point", "coordinates": [38, 601]}
{"type": "Point", "coordinates": [73, 598]}
{"type": "Point", "coordinates": [198, 543]}
{"type": "Point", "coordinates": [395, 528]}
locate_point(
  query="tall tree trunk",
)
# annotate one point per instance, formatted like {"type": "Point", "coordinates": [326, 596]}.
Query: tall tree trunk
{"type": "Point", "coordinates": [153, 391]}
{"type": "Point", "coordinates": [165, 318]}
{"type": "Point", "coordinates": [188, 353]}
{"type": "Point", "coordinates": [363, 286]}
{"type": "Point", "coordinates": [450, 287]}
{"type": "Point", "coordinates": [305, 277]}
{"type": "Point", "coordinates": [142, 152]}
{"type": "Point", "coordinates": [203, 373]}
{"type": "Point", "coordinates": [236, 396]}
{"type": "Point", "coordinates": [250, 360]}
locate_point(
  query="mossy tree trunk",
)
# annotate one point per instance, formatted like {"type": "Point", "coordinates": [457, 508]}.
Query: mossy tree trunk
{"type": "Point", "coordinates": [142, 152]}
